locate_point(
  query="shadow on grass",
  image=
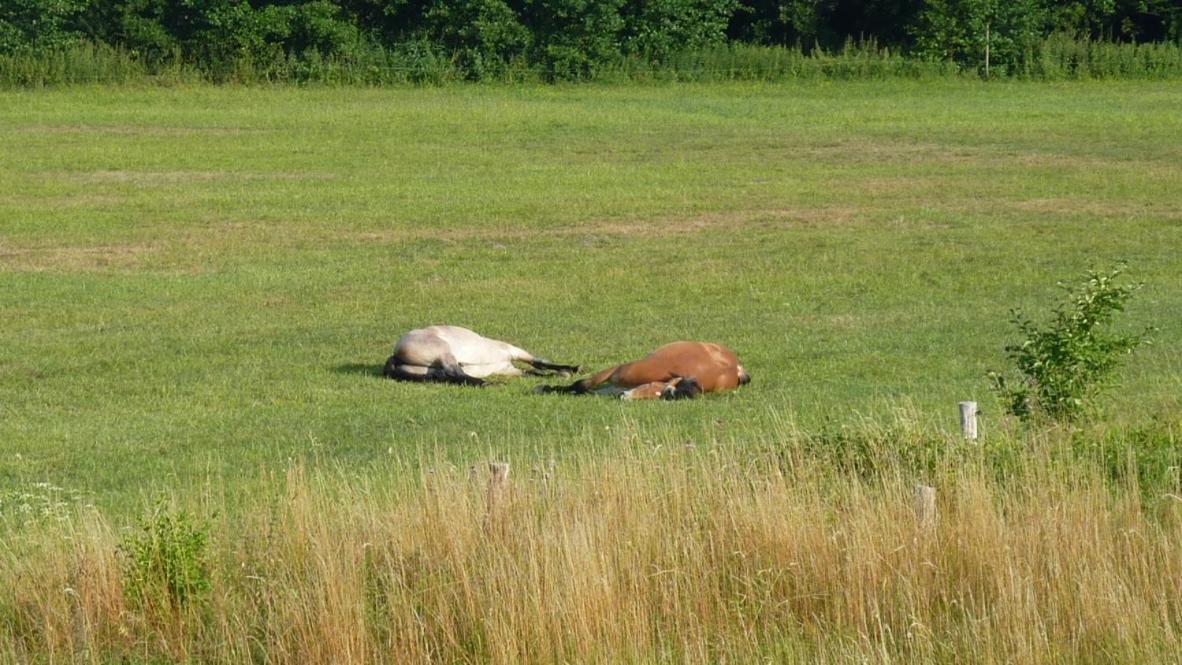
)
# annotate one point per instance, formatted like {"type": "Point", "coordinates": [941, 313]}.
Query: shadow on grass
{"type": "Point", "coordinates": [363, 369]}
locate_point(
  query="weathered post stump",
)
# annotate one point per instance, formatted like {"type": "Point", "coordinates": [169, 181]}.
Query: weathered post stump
{"type": "Point", "coordinates": [498, 480]}
{"type": "Point", "coordinates": [968, 420]}
{"type": "Point", "coordinates": [924, 503]}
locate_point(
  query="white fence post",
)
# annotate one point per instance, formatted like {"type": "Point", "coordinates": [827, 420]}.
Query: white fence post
{"type": "Point", "coordinates": [497, 480]}
{"type": "Point", "coordinates": [968, 420]}
{"type": "Point", "coordinates": [924, 503]}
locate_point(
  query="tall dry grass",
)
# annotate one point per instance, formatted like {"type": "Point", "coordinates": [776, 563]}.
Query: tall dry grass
{"type": "Point", "coordinates": [718, 553]}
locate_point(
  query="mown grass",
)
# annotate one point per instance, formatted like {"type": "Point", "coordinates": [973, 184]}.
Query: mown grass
{"type": "Point", "coordinates": [200, 283]}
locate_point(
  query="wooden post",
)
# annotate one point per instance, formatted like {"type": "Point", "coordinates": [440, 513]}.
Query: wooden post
{"type": "Point", "coordinates": [925, 507]}
{"type": "Point", "coordinates": [986, 50]}
{"type": "Point", "coordinates": [546, 473]}
{"type": "Point", "coordinates": [497, 480]}
{"type": "Point", "coordinates": [968, 420]}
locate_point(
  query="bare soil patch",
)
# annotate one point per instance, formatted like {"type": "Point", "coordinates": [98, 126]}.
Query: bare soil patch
{"type": "Point", "coordinates": [633, 228]}
{"type": "Point", "coordinates": [117, 257]}
{"type": "Point", "coordinates": [152, 178]}
{"type": "Point", "coordinates": [139, 130]}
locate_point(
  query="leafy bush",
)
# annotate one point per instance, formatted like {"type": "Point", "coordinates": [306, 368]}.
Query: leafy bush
{"type": "Point", "coordinates": [1066, 362]}
{"type": "Point", "coordinates": [167, 557]}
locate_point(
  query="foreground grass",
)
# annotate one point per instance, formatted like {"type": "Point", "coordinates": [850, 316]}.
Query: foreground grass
{"type": "Point", "coordinates": [785, 548]}
{"type": "Point", "coordinates": [199, 284]}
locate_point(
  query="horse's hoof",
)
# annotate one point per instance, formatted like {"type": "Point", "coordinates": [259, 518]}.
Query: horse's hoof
{"type": "Point", "coordinates": [541, 390]}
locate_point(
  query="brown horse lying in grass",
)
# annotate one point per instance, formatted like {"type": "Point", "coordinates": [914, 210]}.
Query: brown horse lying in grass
{"type": "Point", "coordinates": [678, 370]}
{"type": "Point", "coordinates": [451, 354]}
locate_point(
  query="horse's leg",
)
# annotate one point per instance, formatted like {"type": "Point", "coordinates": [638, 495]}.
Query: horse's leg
{"type": "Point", "coordinates": [543, 364]}
{"type": "Point", "coordinates": [582, 386]}
{"type": "Point", "coordinates": [652, 390]}
{"type": "Point", "coordinates": [521, 355]}
{"type": "Point", "coordinates": [543, 368]}
{"type": "Point", "coordinates": [447, 370]}
{"type": "Point", "coordinates": [442, 372]}
{"type": "Point", "coordinates": [682, 388]}
{"type": "Point", "coordinates": [404, 372]}
{"type": "Point", "coordinates": [677, 388]}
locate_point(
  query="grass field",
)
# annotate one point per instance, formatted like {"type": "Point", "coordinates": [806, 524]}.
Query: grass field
{"type": "Point", "coordinates": [198, 284]}
{"type": "Point", "coordinates": [198, 287]}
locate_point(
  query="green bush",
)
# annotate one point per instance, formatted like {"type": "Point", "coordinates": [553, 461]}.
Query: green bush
{"type": "Point", "coordinates": [167, 558]}
{"type": "Point", "coordinates": [1066, 362]}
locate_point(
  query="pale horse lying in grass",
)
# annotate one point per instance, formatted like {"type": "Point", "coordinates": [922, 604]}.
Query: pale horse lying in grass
{"type": "Point", "coordinates": [451, 354]}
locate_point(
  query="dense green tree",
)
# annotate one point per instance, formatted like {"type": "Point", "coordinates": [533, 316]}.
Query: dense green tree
{"type": "Point", "coordinates": [965, 31]}
{"type": "Point", "coordinates": [572, 37]}
{"type": "Point", "coordinates": [808, 21]}
{"type": "Point", "coordinates": [1123, 20]}
{"type": "Point", "coordinates": [886, 22]}
{"type": "Point", "coordinates": [386, 21]}
{"type": "Point", "coordinates": [657, 28]}
{"type": "Point", "coordinates": [38, 24]}
{"type": "Point", "coordinates": [1145, 21]}
{"type": "Point", "coordinates": [218, 33]}
{"type": "Point", "coordinates": [484, 36]}
{"type": "Point", "coordinates": [789, 22]}
{"type": "Point", "coordinates": [1083, 18]}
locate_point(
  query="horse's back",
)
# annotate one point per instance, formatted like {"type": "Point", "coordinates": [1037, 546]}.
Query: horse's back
{"type": "Point", "coordinates": [681, 357]}
{"type": "Point", "coordinates": [713, 365]}
{"type": "Point", "coordinates": [466, 347]}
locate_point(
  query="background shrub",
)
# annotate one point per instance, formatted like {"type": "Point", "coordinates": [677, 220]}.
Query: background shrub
{"type": "Point", "coordinates": [1067, 361]}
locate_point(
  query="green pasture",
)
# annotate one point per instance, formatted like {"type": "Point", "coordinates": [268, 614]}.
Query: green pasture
{"type": "Point", "coordinates": [199, 285]}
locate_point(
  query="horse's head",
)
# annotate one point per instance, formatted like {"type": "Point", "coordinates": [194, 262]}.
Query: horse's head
{"type": "Point", "coordinates": [686, 388]}
{"type": "Point", "coordinates": [391, 364]}
{"type": "Point", "coordinates": [744, 377]}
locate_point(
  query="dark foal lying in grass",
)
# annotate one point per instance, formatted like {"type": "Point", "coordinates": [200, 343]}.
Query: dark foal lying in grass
{"type": "Point", "coordinates": [451, 354]}
{"type": "Point", "coordinates": [675, 371]}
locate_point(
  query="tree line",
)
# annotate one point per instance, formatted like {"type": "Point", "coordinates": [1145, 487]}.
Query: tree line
{"type": "Point", "coordinates": [570, 39]}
